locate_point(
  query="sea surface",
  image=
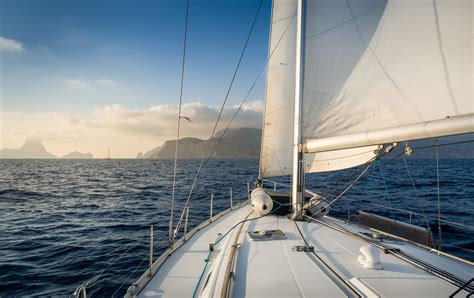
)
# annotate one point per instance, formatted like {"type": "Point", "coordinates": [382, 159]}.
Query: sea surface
{"type": "Point", "coordinates": [63, 222]}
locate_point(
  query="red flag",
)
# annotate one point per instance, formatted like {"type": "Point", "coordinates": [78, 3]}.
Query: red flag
{"type": "Point", "coordinates": [187, 118]}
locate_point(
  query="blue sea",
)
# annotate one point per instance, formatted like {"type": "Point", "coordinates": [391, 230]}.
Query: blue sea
{"type": "Point", "coordinates": [63, 222]}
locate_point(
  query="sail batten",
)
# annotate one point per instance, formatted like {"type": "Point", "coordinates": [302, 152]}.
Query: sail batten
{"type": "Point", "coordinates": [417, 131]}
{"type": "Point", "coordinates": [369, 65]}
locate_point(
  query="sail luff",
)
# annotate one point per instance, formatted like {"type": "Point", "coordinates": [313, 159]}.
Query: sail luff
{"type": "Point", "coordinates": [260, 164]}
{"type": "Point", "coordinates": [429, 129]}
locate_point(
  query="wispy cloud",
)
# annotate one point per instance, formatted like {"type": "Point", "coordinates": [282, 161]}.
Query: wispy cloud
{"type": "Point", "coordinates": [77, 83]}
{"type": "Point", "coordinates": [106, 82]}
{"type": "Point", "coordinates": [160, 121]}
{"type": "Point", "coordinates": [10, 45]}
{"type": "Point", "coordinates": [125, 131]}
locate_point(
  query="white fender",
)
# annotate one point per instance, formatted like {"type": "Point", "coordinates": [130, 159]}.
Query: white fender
{"type": "Point", "coordinates": [261, 202]}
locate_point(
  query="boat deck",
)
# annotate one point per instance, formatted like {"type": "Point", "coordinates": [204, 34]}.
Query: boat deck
{"type": "Point", "coordinates": [274, 268]}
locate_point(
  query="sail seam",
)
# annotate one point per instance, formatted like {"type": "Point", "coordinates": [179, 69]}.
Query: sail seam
{"type": "Point", "coordinates": [443, 57]}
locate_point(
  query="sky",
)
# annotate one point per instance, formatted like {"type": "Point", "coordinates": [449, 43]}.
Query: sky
{"type": "Point", "coordinates": [91, 75]}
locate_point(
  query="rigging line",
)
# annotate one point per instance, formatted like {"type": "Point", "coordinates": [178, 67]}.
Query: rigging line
{"type": "Point", "coordinates": [332, 188]}
{"type": "Point", "coordinates": [444, 144]}
{"type": "Point", "coordinates": [345, 190]}
{"type": "Point", "coordinates": [425, 147]}
{"type": "Point", "coordinates": [234, 116]}
{"type": "Point", "coordinates": [173, 193]}
{"type": "Point", "coordinates": [416, 192]}
{"type": "Point", "coordinates": [248, 93]}
{"type": "Point", "coordinates": [226, 97]}
{"type": "Point", "coordinates": [439, 206]}
{"type": "Point", "coordinates": [358, 203]}
{"type": "Point", "coordinates": [386, 190]}
{"type": "Point", "coordinates": [462, 248]}
{"type": "Point", "coordinates": [232, 119]}
{"type": "Point", "coordinates": [130, 275]}
{"type": "Point", "coordinates": [93, 279]}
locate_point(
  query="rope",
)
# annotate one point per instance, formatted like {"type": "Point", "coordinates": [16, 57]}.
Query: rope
{"type": "Point", "coordinates": [444, 144]}
{"type": "Point", "coordinates": [130, 275]}
{"type": "Point", "coordinates": [173, 193]}
{"type": "Point", "coordinates": [248, 93]}
{"type": "Point", "coordinates": [93, 279]}
{"type": "Point", "coordinates": [202, 163]}
{"type": "Point", "coordinates": [345, 190]}
{"type": "Point", "coordinates": [428, 146]}
{"type": "Point", "coordinates": [218, 118]}
{"type": "Point", "coordinates": [386, 190]}
{"type": "Point", "coordinates": [364, 191]}
{"type": "Point", "coordinates": [416, 192]}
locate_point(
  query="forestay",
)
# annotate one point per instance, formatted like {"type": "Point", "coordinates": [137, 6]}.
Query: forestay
{"type": "Point", "coordinates": [368, 65]}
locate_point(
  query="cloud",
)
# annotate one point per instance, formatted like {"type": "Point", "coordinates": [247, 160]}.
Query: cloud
{"type": "Point", "coordinates": [106, 82]}
{"type": "Point", "coordinates": [126, 131]}
{"type": "Point", "coordinates": [77, 84]}
{"type": "Point", "coordinates": [10, 45]}
{"type": "Point", "coordinates": [160, 121]}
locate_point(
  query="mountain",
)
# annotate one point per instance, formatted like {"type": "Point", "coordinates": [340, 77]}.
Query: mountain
{"type": "Point", "coordinates": [33, 148]}
{"type": "Point", "coordinates": [78, 155]}
{"type": "Point", "coordinates": [149, 153]}
{"type": "Point", "coordinates": [236, 144]}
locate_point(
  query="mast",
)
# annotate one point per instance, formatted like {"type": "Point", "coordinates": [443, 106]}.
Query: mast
{"type": "Point", "coordinates": [297, 183]}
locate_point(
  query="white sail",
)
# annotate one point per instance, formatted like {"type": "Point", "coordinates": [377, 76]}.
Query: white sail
{"type": "Point", "coordinates": [276, 150]}
{"type": "Point", "coordinates": [373, 64]}
{"type": "Point", "coordinates": [380, 64]}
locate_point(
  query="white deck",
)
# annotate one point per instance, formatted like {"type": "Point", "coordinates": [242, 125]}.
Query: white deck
{"type": "Point", "coordinates": [272, 269]}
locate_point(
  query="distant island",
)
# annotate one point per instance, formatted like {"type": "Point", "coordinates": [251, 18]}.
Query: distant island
{"type": "Point", "coordinates": [239, 143]}
{"type": "Point", "coordinates": [34, 149]}
{"type": "Point", "coordinates": [78, 155]}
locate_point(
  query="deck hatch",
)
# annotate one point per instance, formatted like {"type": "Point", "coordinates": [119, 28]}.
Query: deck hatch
{"type": "Point", "coordinates": [266, 235]}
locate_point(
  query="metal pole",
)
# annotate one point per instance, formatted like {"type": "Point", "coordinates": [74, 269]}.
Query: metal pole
{"type": "Point", "coordinates": [410, 216]}
{"type": "Point", "coordinates": [437, 184]}
{"type": "Point", "coordinates": [186, 223]}
{"type": "Point", "coordinates": [84, 294]}
{"type": "Point", "coordinates": [151, 249]}
{"type": "Point", "coordinates": [297, 187]}
{"type": "Point", "coordinates": [212, 203]}
{"type": "Point", "coordinates": [231, 203]}
{"type": "Point", "coordinates": [274, 186]}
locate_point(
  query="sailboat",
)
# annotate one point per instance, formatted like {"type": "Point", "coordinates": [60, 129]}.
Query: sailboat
{"type": "Point", "coordinates": [108, 154]}
{"type": "Point", "coordinates": [346, 82]}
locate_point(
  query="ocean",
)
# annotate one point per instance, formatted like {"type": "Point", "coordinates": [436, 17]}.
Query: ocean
{"type": "Point", "coordinates": [65, 221]}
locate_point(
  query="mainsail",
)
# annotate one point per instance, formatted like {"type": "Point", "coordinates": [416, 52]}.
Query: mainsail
{"type": "Point", "coordinates": [368, 65]}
